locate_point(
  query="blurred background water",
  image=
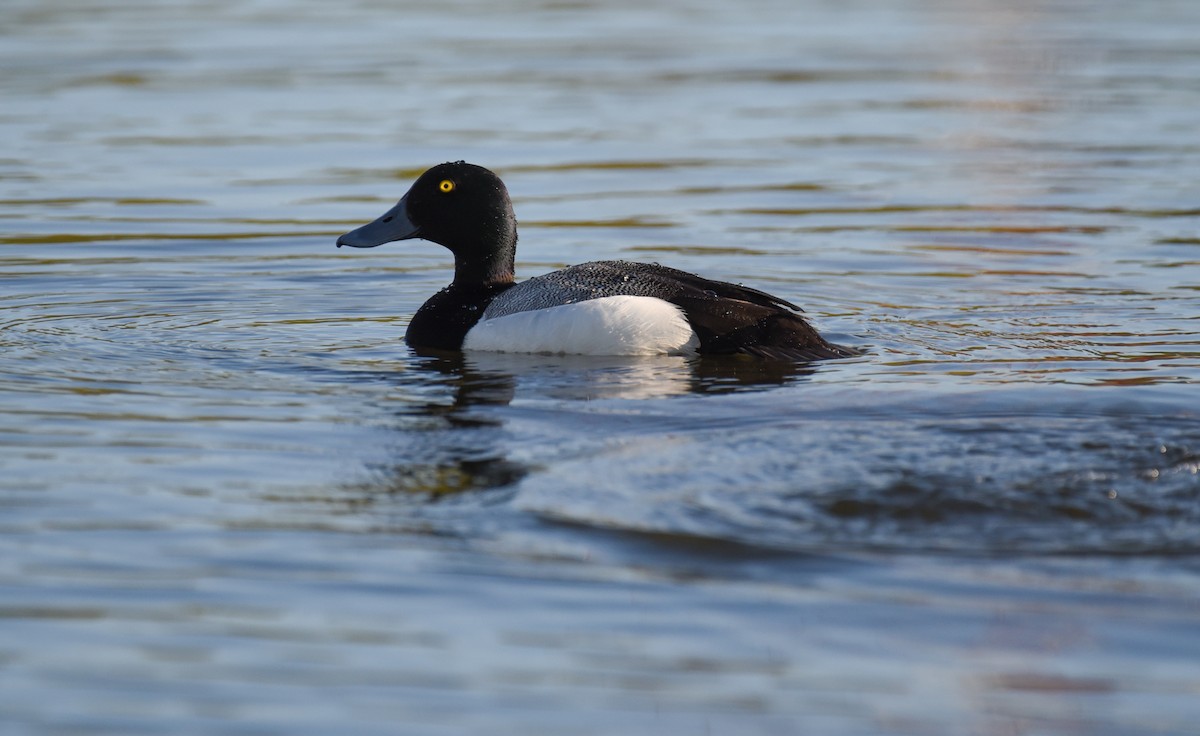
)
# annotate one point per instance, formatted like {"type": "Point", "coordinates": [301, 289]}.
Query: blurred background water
{"type": "Point", "coordinates": [234, 502]}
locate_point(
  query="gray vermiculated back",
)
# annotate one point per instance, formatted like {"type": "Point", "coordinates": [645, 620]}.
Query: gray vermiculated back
{"type": "Point", "coordinates": [582, 282]}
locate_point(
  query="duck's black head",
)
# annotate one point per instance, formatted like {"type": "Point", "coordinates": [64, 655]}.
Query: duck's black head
{"type": "Point", "coordinates": [461, 206]}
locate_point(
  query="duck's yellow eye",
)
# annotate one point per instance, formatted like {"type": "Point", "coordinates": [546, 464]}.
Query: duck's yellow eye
{"type": "Point", "coordinates": [446, 186]}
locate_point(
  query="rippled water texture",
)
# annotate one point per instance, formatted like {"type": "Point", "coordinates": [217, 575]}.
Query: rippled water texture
{"type": "Point", "coordinates": [232, 501]}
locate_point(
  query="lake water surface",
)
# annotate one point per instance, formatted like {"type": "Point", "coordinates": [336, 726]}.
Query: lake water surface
{"type": "Point", "coordinates": [232, 501]}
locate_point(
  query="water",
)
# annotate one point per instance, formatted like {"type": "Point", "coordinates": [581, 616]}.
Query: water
{"type": "Point", "coordinates": [234, 501]}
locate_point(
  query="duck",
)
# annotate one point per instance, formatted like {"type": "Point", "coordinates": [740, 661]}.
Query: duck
{"type": "Point", "coordinates": [612, 307]}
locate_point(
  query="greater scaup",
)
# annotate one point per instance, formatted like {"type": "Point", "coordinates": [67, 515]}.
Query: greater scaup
{"type": "Point", "coordinates": [597, 308]}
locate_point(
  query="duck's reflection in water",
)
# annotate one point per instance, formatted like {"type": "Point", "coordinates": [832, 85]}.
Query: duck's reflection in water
{"type": "Point", "coordinates": [455, 441]}
{"type": "Point", "coordinates": [497, 378]}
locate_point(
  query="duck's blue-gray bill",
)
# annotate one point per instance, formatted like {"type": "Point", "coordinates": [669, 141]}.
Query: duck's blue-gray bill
{"type": "Point", "coordinates": [392, 225]}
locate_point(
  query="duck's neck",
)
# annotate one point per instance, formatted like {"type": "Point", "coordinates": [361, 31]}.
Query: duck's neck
{"type": "Point", "coordinates": [492, 265]}
{"type": "Point", "coordinates": [469, 271]}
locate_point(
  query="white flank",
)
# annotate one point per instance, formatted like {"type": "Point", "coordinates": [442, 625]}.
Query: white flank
{"type": "Point", "coordinates": [611, 325]}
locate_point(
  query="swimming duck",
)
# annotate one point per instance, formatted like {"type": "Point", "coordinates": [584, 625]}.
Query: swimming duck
{"type": "Point", "coordinates": [597, 308]}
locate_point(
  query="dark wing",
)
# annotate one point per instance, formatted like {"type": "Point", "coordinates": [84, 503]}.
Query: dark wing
{"type": "Point", "coordinates": [731, 318]}
{"type": "Point", "coordinates": [672, 279]}
{"type": "Point", "coordinates": [727, 326]}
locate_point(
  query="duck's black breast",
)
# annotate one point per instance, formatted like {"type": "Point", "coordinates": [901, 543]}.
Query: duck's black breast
{"type": "Point", "coordinates": [444, 320]}
{"type": "Point", "coordinates": [727, 318]}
